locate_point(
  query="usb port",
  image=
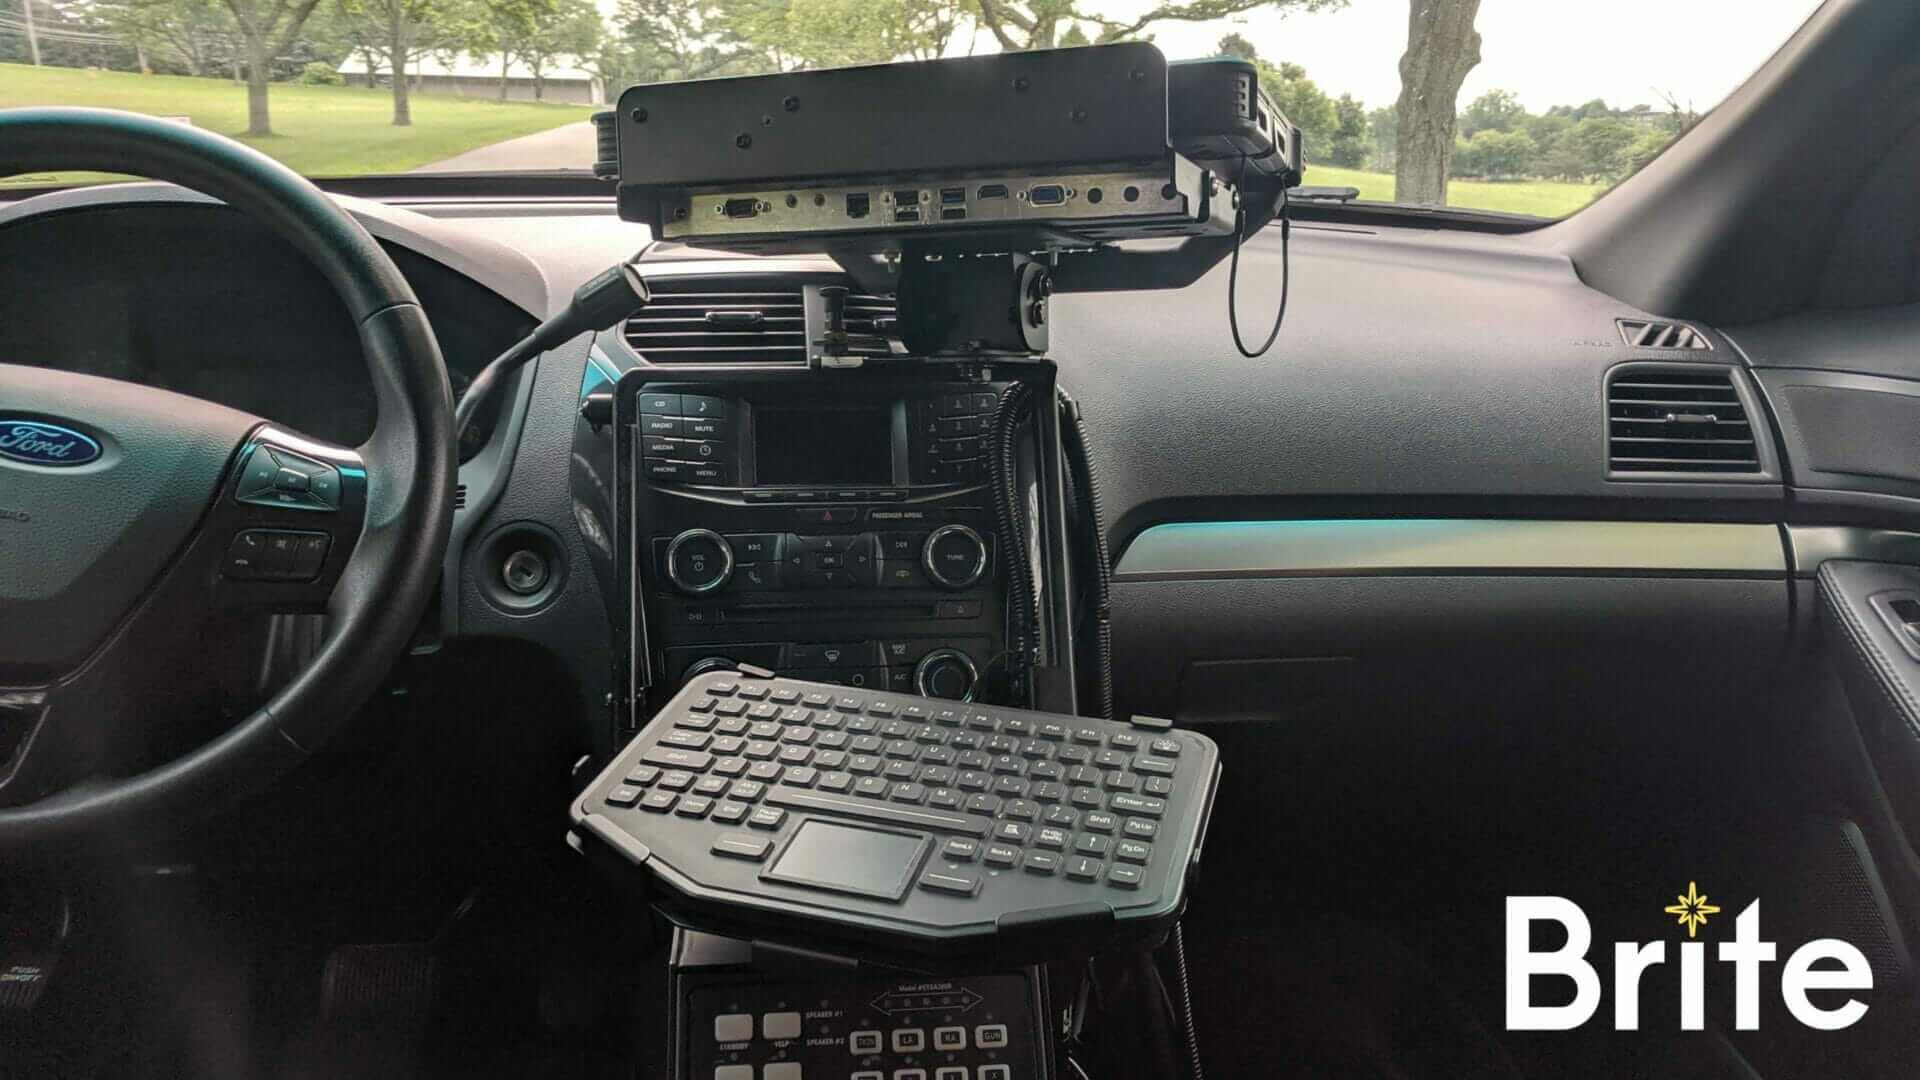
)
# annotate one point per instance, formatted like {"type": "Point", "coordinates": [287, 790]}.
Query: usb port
{"type": "Point", "coordinates": [953, 196]}
{"type": "Point", "coordinates": [1046, 194]}
{"type": "Point", "coordinates": [906, 213]}
{"type": "Point", "coordinates": [991, 191]}
{"type": "Point", "coordinates": [953, 213]}
{"type": "Point", "coordinates": [857, 205]}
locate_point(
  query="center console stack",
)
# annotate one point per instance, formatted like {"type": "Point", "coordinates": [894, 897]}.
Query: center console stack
{"type": "Point", "coordinates": [837, 530]}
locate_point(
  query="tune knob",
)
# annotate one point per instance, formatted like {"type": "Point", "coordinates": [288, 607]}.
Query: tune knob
{"type": "Point", "coordinates": [699, 561]}
{"type": "Point", "coordinates": [946, 673]}
{"type": "Point", "coordinates": [954, 557]}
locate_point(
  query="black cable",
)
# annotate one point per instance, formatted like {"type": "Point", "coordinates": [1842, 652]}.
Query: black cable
{"type": "Point", "coordinates": [1080, 464]}
{"type": "Point", "coordinates": [1233, 270]}
{"type": "Point", "coordinates": [1003, 460]}
{"type": "Point", "coordinates": [606, 299]}
{"type": "Point", "coordinates": [1186, 1002]}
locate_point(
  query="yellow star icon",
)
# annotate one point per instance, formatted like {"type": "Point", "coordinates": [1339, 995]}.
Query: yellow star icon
{"type": "Point", "coordinates": [1692, 909]}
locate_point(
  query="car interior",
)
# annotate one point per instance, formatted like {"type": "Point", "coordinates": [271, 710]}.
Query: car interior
{"type": "Point", "coordinates": [601, 725]}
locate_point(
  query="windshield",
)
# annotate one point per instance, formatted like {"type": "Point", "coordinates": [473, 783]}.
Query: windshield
{"type": "Point", "coordinates": [1515, 106]}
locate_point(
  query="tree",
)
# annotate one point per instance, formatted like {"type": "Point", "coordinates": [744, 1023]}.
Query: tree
{"type": "Point", "coordinates": [1442, 46]}
{"type": "Point", "coordinates": [1495, 110]}
{"type": "Point", "coordinates": [661, 40]}
{"type": "Point", "coordinates": [1495, 154]}
{"type": "Point", "coordinates": [830, 33]}
{"type": "Point", "coordinates": [401, 32]}
{"type": "Point", "coordinates": [1038, 24]}
{"type": "Point", "coordinates": [267, 28]}
{"type": "Point", "coordinates": [566, 28]}
{"type": "Point", "coordinates": [195, 35]}
{"type": "Point", "coordinates": [1351, 142]}
{"type": "Point", "coordinates": [1236, 45]}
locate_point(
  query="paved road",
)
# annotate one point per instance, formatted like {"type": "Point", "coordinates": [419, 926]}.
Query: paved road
{"type": "Point", "coordinates": [568, 147]}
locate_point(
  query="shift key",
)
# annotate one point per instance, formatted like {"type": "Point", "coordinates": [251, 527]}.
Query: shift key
{"type": "Point", "coordinates": [675, 758]}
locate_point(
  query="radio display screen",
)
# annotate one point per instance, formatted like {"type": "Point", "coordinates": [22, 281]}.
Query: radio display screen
{"type": "Point", "coordinates": [823, 446]}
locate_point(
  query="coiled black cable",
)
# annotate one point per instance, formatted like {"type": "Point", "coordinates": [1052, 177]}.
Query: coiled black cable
{"type": "Point", "coordinates": [1080, 462]}
{"type": "Point", "coordinates": [1004, 465]}
{"type": "Point", "coordinates": [1191, 1034]}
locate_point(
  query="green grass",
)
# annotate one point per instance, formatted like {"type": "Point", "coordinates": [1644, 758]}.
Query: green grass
{"type": "Point", "coordinates": [1541, 198]}
{"type": "Point", "coordinates": [318, 130]}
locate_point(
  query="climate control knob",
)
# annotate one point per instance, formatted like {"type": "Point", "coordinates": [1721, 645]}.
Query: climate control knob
{"type": "Point", "coordinates": [954, 557]}
{"type": "Point", "coordinates": [699, 561]}
{"type": "Point", "coordinates": [946, 673]}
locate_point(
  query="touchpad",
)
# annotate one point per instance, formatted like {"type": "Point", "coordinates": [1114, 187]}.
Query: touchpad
{"type": "Point", "coordinates": [850, 859]}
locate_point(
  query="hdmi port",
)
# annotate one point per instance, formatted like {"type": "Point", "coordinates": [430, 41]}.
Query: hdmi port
{"type": "Point", "coordinates": [991, 191]}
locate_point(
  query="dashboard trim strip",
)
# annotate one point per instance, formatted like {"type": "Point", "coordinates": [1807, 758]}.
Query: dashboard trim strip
{"type": "Point", "coordinates": [1250, 549]}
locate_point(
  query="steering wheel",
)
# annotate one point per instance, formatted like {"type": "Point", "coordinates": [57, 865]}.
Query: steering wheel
{"type": "Point", "coordinates": [135, 522]}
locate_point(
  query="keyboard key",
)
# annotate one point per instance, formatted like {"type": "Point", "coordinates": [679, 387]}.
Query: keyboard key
{"type": "Point", "coordinates": [672, 757]}
{"type": "Point", "coordinates": [960, 849]}
{"type": "Point", "coordinates": [983, 804]}
{"type": "Point", "coordinates": [694, 722]}
{"type": "Point", "coordinates": [1086, 798]}
{"type": "Point", "coordinates": [766, 817]}
{"type": "Point", "coordinates": [943, 798]}
{"type": "Point", "coordinates": [1137, 804]}
{"type": "Point", "coordinates": [659, 801]}
{"type": "Point", "coordinates": [747, 790]}
{"type": "Point", "coordinates": [643, 775]}
{"type": "Point", "coordinates": [1081, 868]}
{"type": "Point", "coordinates": [727, 745]}
{"type": "Point", "coordinates": [764, 771]}
{"type": "Point", "coordinates": [1052, 838]}
{"type": "Point", "coordinates": [710, 786]}
{"type": "Point", "coordinates": [1061, 816]}
{"type": "Point", "coordinates": [908, 793]}
{"type": "Point", "coordinates": [911, 816]}
{"type": "Point", "coordinates": [1020, 810]}
{"type": "Point", "coordinates": [703, 704]}
{"type": "Point", "coordinates": [1154, 766]}
{"type": "Point", "coordinates": [1090, 844]}
{"type": "Point", "coordinates": [1141, 828]}
{"type": "Point", "coordinates": [873, 787]}
{"type": "Point", "coordinates": [1124, 740]}
{"type": "Point", "coordinates": [1112, 759]}
{"type": "Point", "coordinates": [1002, 855]}
{"type": "Point", "coordinates": [723, 689]}
{"type": "Point", "coordinates": [727, 812]}
{"type": "Point", "coordinates": [795, 755]}
{"type": "Point", "coordinates": [835, 781]}
{"type": "Point", "coordinates": [1099, 822]}
{"type": "Point", "coordinates": [694, 806]}
{"type": "Point", "coordinates": [799, 776]}
{"type": "Point", "coordinates": [731, 766]}
{"type": "Point", "coordinates": [1013, 832]}
{"type": "Point", "coordinates": [677, 780]}
{"type": "Point", "coordinates": [760, 749]}
{"type": "Point", "coordinates": [755, 691]}
{"type": "Point", "coordinates": [1125, 877]}
{"type": "Point", "coordinates": [1132, 851]}
{"type": "Point", "coordinates": [948, 882]}
{"type": "Point", "coordinates": [1122, 781]}
{"type": "Point", "coordinates": [624, 795]}
{"type": "Point", "coordinates": [1166, 747]}
{"type": "Point", "coordinates": [1044, 863]}
{"type": "Point", "coordinates": [751, 848]}
{"type": "Point", "coordinates": [785, 695]}
{"type": "Point", "coordinates": [1159, 785]}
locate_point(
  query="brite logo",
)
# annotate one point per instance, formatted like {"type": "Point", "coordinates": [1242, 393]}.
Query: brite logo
{"type": "Point", "coordinates": [1826, 964]}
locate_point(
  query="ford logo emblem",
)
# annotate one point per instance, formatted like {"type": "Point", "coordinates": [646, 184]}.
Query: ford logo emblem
{"type": "Point", "coordinates": [36, 442]}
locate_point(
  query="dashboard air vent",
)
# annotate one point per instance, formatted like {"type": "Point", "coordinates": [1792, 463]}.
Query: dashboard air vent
{"type": "Point", "coordinates": [743, 320]}
{"type": "Point", "coordinates": [871, 324]}
{"type": "Point", "coordinates": [1645, 334]}
{"type": "Point", "coordinates": [1678, 420]}
{"type": "Point", "coordinates": [460, 497]}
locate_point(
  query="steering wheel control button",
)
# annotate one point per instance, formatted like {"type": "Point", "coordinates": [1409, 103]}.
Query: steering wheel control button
{"type": "Point", "coordinates": [699, 561]}
{"type": "Point", "coordinates": [276, 555]}
{"type": "Point", "coordinates": [780, 1025]}
{"type": "Point", "coordinates": [282, 479]}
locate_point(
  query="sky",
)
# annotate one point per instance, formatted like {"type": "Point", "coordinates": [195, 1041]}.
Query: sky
{"type": "Point", "coordinates": [1549, 52]}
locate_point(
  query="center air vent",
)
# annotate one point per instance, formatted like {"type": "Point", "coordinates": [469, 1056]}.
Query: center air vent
{"type": "Point", "coordinates": [1673, 419]}
{"type": "Point", "coordinates": [743, 320]}
{"type": "Point", "coordinates": [871, 324]}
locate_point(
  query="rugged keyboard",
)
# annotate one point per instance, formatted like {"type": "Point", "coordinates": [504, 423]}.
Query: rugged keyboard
{"type": "Point", "coordinates": [763, 805]}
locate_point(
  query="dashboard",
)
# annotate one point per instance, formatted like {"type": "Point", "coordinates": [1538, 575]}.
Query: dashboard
{"type": "Point", "coordinates": [1469, 385]}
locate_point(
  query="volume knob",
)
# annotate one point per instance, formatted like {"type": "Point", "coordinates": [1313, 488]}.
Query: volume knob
{"type": "Point", "coordinates": [699, 561]}
{"type": "Point", "coordinates": [954, 557]}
